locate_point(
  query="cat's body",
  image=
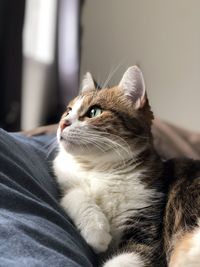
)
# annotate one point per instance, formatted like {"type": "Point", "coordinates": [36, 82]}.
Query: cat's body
{"type": "Point", "coordinates": [115, 187]}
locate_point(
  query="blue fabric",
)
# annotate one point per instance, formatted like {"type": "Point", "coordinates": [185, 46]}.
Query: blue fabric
{"type": "Point", "coordinates": [34, 230]}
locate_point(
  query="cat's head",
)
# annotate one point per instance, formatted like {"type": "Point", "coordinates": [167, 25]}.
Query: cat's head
{"type": "Point", "coordinates": [110, 121]}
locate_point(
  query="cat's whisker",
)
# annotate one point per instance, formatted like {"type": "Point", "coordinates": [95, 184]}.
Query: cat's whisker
{"type": "Point", "coordinates": [111, 134]}
{"type": "Point", "coordinates": [105, 83]}
{"type": "Point", "coordinates": [99, 134]}
{"type": "Point", "coordinates": [114, 148]}
{"type": "Point", "coordinates": [103, 140]}
{"type": "Point", "coordinates": [97, 145]}
{"type": "Point", "coordinates": [111, 74]}
{"type": "Point", "coordinates": [77, 139]}
{"type": "Point", "coordinates": [100, 142]}
{"type": "Point", "coordinates": [115, 145]}
{"type": "Point", "coordinates": [138, 136]}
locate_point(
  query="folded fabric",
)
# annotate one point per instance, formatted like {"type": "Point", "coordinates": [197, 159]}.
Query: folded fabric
{"type": "Point", "coordinates": [34, 230]}
{"type": "Point", "coordinates": [172, 141]}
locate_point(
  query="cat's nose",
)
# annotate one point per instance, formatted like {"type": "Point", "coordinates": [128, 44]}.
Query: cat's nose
{"type": "Point", "coordinates": [64, 124]}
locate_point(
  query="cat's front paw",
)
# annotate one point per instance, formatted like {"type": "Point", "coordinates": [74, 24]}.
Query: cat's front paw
{"type": "Point", "coordinates": [88, 218]}
{"type": "Point", "coordinates": [97, 234]}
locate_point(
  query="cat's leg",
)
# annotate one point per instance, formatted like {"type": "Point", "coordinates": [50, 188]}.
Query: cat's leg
{"type": "Point", "coordinates": [186, 252]}
{"type": "Point", "coordinates": [88, 218]}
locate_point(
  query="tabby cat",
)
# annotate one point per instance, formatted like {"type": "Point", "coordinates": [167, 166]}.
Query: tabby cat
{"type": "Point", "coordinates": [119, 193]}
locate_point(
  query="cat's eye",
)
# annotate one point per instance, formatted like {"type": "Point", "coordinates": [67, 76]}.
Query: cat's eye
{"type": "Point", "coordinates": [94, 112]}
{"type": "Point", "coordinates": [68, 111]}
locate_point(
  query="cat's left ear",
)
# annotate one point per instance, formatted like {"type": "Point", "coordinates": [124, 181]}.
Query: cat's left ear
{"type": "Point", "coordinates": [133, 85]}
{"type": "Point", "coordinates": [88, 83]}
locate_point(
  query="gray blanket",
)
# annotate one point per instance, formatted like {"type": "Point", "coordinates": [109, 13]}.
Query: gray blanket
{"type": "Point", "coordinates": [34, 230]}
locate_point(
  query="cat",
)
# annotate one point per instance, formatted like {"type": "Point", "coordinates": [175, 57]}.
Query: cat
{"type": "Point", "coordinates": [119, 193]}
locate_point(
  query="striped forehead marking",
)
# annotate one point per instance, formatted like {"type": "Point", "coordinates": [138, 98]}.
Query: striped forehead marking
{"type": "Point", "coordinates": [77, 105]}
{"type": "Point", "coordinates": [73, 115]}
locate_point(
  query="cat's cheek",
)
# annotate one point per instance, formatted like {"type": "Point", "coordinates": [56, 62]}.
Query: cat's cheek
{"type": "Point", "coordinates": [125, 260]}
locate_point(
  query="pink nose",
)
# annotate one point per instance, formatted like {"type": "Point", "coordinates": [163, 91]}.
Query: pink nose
{"type": "Point", "coordinates": [64, 124]}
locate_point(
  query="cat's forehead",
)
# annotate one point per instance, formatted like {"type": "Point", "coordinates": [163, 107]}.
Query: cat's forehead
{"type": "Point", "coordinates": [107, 98]}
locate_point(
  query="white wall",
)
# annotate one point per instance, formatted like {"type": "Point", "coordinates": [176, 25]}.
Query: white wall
{"type": "Point", "coordinates": [163, 37]}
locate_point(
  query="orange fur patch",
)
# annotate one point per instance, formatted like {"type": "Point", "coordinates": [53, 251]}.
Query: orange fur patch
{"type": "Point", "coordinates": [182, 247]}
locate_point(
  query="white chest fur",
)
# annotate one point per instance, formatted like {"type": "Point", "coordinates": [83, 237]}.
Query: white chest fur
{"type": "Point", "coordinates": [118, 194]}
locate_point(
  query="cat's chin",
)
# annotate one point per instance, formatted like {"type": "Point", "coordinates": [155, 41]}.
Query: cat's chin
{"type": "Point", "coordinates": [77, 149]}
{"type": "Point", "coordinates": [69, 147]}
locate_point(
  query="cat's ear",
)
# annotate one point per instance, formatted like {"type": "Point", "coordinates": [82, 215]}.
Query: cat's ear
{"type": "Point", "coordinates": [88, 83]}
{"type": "Point", "coordinates": [133, 85]}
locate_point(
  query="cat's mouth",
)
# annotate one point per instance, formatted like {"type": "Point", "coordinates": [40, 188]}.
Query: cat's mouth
{"type": "Point", "coordinates": [78, 144]}
{"type": "Point", "coordinates": [64, 138]}
{"type": "Point", "coordinates": [74, 142]}
{"type": "Point", "coordinates": [70, 146]}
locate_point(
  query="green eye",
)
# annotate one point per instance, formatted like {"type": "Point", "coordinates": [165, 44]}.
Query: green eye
{"type": "Point", "coordinates": [94, 112]}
